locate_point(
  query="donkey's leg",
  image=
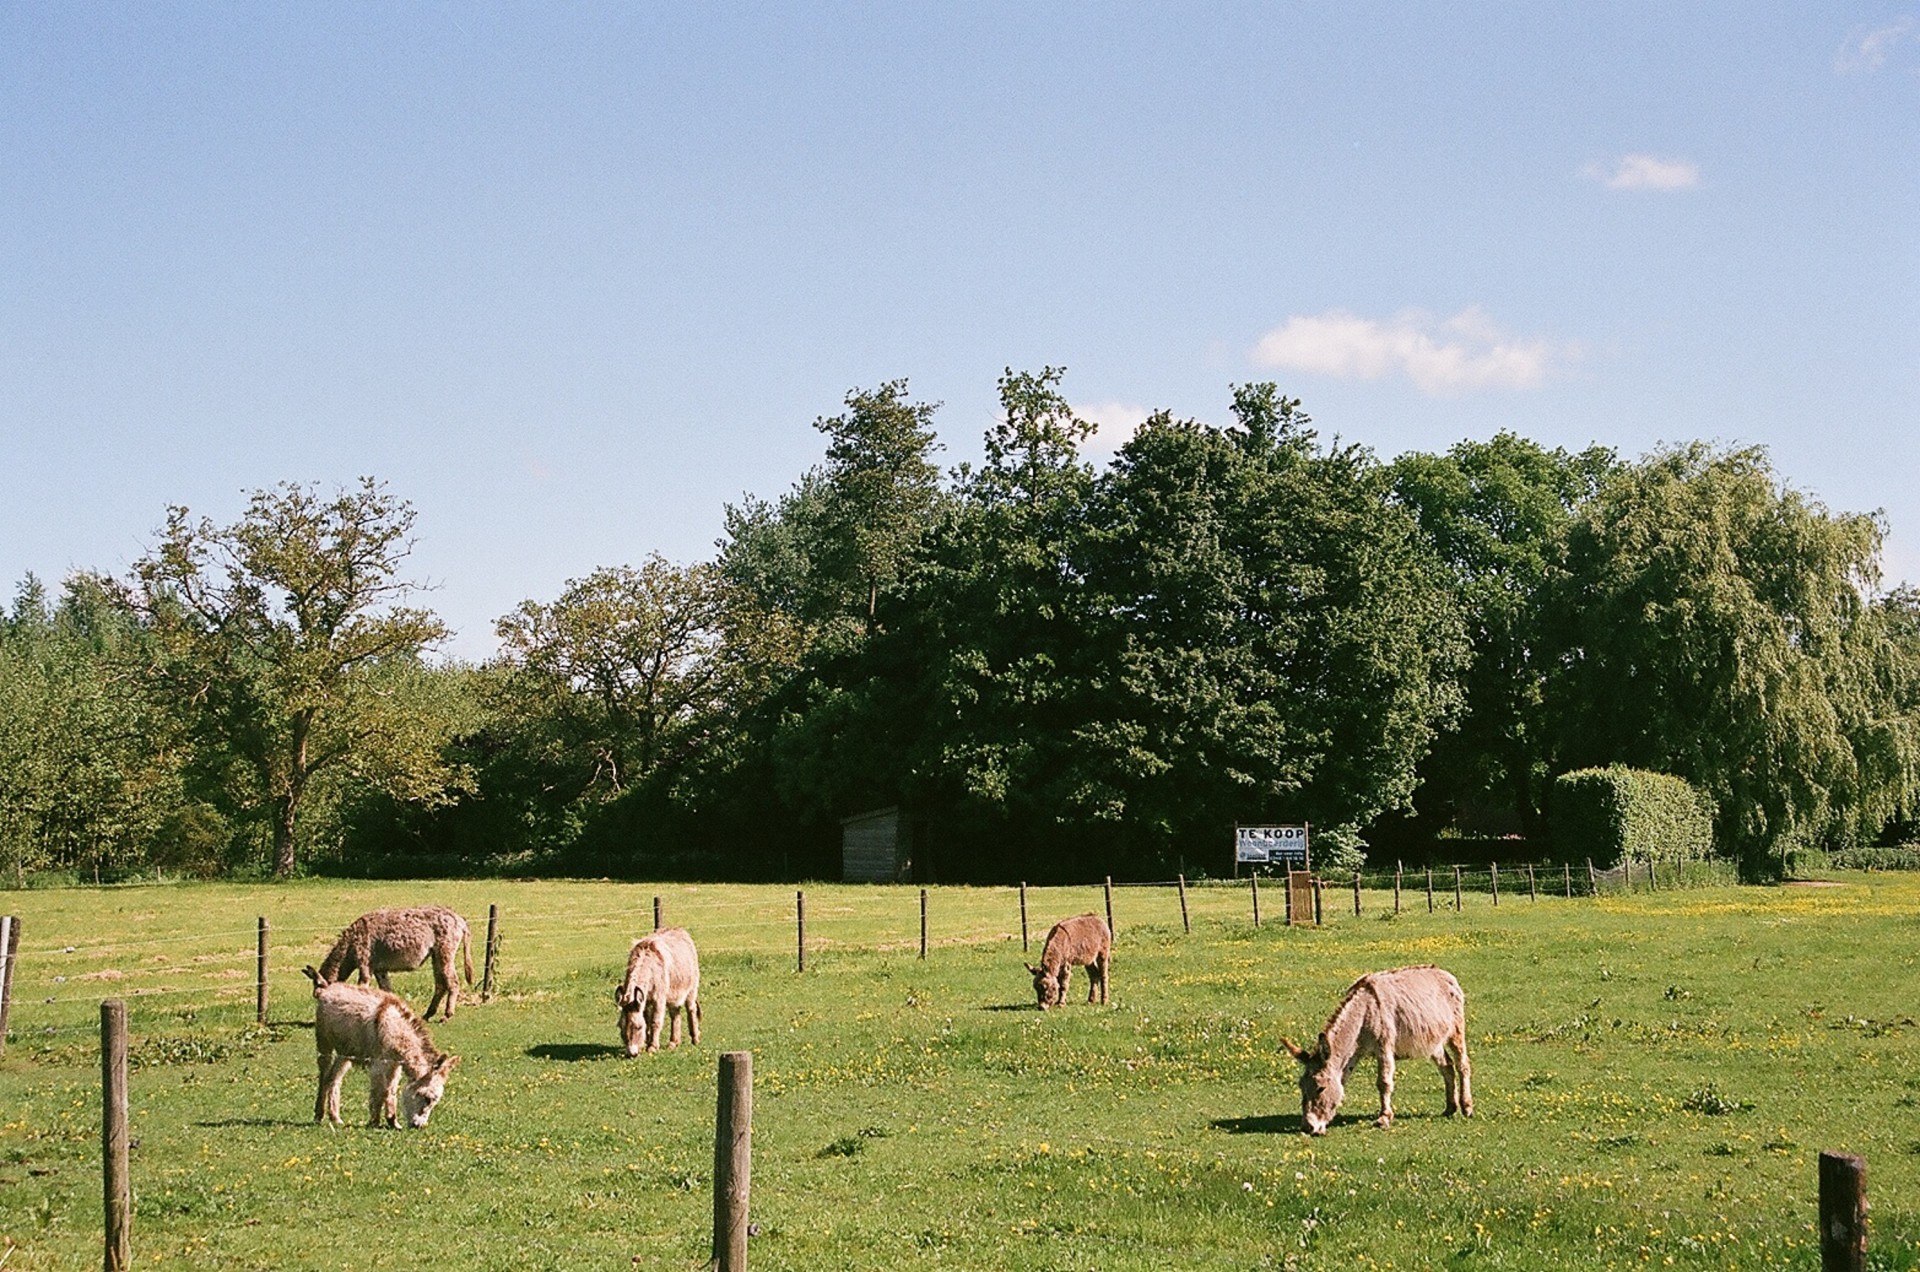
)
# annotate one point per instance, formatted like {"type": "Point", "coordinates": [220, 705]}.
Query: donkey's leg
{"type": "Point", "coordinates": [1103, 968]}
{"type": "Point", "coordinates": [1386, 1088]}
{"type": "Point", "coordinates": [656, 1017]}
{"type": "Point", "coordinates": [324, 1062]}
{"type": "Point", "coordinates": [445, 985]}
{"type": "Point", "coordinates": [333, 1073]}
{"type": "Point", "coordinates": [1462, 1074]}
{"type": "Point", "coordinates": [673, 1023]}
{"type": "Point", "coordinates": [693, 1020]}
{"type": "Point", "coordinates": [380, 974]}
{"type": "Point", "coordinates": [383, 1093]}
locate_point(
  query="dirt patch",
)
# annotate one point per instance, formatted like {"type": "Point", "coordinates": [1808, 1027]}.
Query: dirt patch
{"type": "Point", "coordinates": [1813, 883]}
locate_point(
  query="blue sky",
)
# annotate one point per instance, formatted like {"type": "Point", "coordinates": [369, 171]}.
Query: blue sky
{"type": "Point", "coordinates": [571, 278]}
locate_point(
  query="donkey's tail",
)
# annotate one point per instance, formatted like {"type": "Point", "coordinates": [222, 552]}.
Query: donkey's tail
{"type": "Point", "coordinates": [315, 977]}
{"type": "Point", "coordinates": [466, 949]}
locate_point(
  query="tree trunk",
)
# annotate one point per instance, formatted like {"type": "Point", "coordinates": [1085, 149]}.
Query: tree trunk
{"type": "Point", "coordinates": [283, 838]}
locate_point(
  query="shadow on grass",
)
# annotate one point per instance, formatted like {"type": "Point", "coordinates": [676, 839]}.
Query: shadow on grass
{"type": "Point", "coordinates": [1009, 1007]}
{"type": "Point", "coordinates": [573, 1052]}
{"type": "Point", "coordinates": [231, 1123]}
{"type": "Point", "coordinates": [1270, 1124]}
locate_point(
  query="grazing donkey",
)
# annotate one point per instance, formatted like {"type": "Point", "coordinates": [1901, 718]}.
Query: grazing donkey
{"type": "Point", "coordinates": [1081, 941]}
{"type": "Point", "coordinates": [353, 1023]}
{"type": "Point", "coordinates": [663, 982]}
{"type": "Point", "coordinates": [1407, 1012]}
{"type": "Point", "coordinates": [385, 941]}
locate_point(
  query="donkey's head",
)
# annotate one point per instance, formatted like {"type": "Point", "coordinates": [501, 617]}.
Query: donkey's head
{"type": "Point", "coordinates": [1048, 987]}
{"type": "Point", "coordinates": [420, 1094]}
{"type": "Point", "coordinates": [1322, 1085]}
{"type": "Point", "coordinates": [633, 1018]}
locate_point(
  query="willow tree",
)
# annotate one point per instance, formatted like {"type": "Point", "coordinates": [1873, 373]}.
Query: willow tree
{"type": "Point", "coordinates": [285, 640]}
{"type": "Point", "coordinates": [1719, 625]}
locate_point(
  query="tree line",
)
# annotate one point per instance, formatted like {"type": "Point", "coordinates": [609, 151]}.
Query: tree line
{"type": "Point", "coordinates": [1052, 667]}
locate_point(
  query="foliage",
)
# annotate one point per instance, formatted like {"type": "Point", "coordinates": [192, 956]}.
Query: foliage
{"type": "Point", "coordinates": [1616, 814]}
{"type": "Point", "coordinates": [283, 640]}
{"type": "Point", "coordinates": [1497, 513]}
{"type": "Point", "coordinates": [1715, 625]}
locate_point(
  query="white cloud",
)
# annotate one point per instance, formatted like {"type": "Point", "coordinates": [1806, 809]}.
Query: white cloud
{"type": "Point", "coordinates": [1645, 172]}
{"type": "Point", "coordinates": [1461, 354]}
{"type": "Point", "coordinates": [1113, 423]}
{"type": "Point", "coordinates": [1866, 53]}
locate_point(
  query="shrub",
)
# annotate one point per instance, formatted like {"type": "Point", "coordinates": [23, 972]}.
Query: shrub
{"type": "Point", "coordinates": [1616, 813]}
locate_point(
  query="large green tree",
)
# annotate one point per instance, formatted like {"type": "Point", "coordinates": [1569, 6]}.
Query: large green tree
{"type": "Point", "coordinates": [1717, 624]}
{"type": "Point", "coordinates": [286, 640]}
{"type": "Point", "coordinates": [1498, 513]}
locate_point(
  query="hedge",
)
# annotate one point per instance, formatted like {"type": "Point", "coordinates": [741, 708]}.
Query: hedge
{"type": "Point", "coordinates": [1617, 813]}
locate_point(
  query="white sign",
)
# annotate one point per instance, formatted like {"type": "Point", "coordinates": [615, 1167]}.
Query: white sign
{"type": "Point", "coordinates": [1270, 845]}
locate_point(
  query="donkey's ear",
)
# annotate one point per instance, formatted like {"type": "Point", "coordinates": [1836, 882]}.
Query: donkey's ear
{"type": "Point", "coordinates": [1031, 969]}
{"type": "Point", "coordinates": [446, 1065]}
{"type": "Point", "coordinates": [1294, 1050]}
{"type": "Point", "coordinates": [1324, 1048]}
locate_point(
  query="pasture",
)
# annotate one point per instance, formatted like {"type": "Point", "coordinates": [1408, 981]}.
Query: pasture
{"type": "Point", "coordinates": [1654, 1075]}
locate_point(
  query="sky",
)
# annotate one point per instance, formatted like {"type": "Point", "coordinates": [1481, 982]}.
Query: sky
{"type": "Point", "coordinates": [572, 278]}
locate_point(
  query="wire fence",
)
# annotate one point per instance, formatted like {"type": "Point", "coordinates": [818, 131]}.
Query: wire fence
{"type": "Point", "coordinates": [212, 975]}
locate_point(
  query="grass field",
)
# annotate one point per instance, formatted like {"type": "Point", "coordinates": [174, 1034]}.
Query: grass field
{"type": "Point", "coordinates": [1654, 1076]}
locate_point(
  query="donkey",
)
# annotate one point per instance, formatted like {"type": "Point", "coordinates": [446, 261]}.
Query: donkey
{"type": "Point", "coordinates": [1081, 941]}
{"type": "Point", "coordinates": [353, 1023]}
{"type": "Point", "coordinates": [1406, 1012]}
{"type": "Point", "coordinates": [662, 984]}
{"type": "Point", "coordinates": [383, 941]}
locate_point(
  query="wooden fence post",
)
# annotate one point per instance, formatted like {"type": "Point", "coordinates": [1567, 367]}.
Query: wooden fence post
{"type": "Point", "coordinates": [1023, 917]}
{"type": "Point", "coordinates": [1398, 869]}
{"type": "Point", "coordinates": [1533, 891]}
{"type": "Point", "coordinates": [1843, 1213]}
{"type": "Point", "coordinates": [1186, 925]}
{"type": "Point", "coordinates": [260, 975]}
{"type": "Point", "coordinates": [1566, 871]}
{"type": "Point", "coordinates": [657, 916]}
{"type": "Point", "coordinates": [9, 955]}
{"type": "Point", "coordinates": [923, 925]}
{"type": "Point", "coordinates": [1110, 930]}
{"type": "Point", "coordinates": [1318, 914]}
{"type": "Point", "coordinates": [1459, 899]}
{"type": "Point", "coordinates": [1254, 879]}
{"type": "Point", "coordinates": [800, 931]}
{"type": "Point", "coordinates": [1652, 882]}
{"type": "Point", "coordinates": [118, 1184]}
{"type": "Point", "coordinates": [1496, 883]}
{"type": "Point", "coordinates": [1356, 894]}
{"type": "Point", "coordinates": [493, 951]}
{"type": "Point", "coordinates": [1429, 889]}
{"type": "Point", "coordinates": [1593, 880]}
{"type": "Point", "coordinates": [732, 1161]}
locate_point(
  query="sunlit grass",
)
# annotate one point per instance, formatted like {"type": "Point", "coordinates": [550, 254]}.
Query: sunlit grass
{"type": "Point", "coordinates": [1654, 1076]}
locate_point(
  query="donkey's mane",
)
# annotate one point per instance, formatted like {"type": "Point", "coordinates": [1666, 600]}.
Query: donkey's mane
{"type": "Point", "coordinates": [415, 1026]}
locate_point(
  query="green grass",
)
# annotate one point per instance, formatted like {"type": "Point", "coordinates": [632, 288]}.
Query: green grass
{"type": "Point", "coordinates": [1654, 1076]}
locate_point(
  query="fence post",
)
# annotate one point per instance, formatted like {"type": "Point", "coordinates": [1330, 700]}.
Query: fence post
{"type": "Point", "coordinates": [1254, 879]}
{"type": "Point", "coordinates": [656, 914]}
{"type": "Point", "coordinates": [1459, 899]}
{"type": "Point", "coordinates": [1566, 870]}
{"type": "Point", "coordinates": [1110, 930]}
{"type": "Point", "coordinates": [1843, 1213]}
{"type": "Point", "coordinates": [260, 975]}
{"type": "Point", "coordinates": [1398, 869]}
{"type": "Point", "coordinates": [923, 925]}
{"type": "Point", "coordinates": [1533, 892]}
{"type": "Point", "coordinates": [9, 954]}
{"type": "Point", "coordinates": [118, 1185]}
{"type": "Point", "coordinates": [1317, 912]}
{"type": "Point", "coordinates": [493, 951]}
{"type": "Point", "coordinates": [1653, 884]}
{"type": "Point", "coordinates": [1186, 925]}
{"type": "Point", "coordinates": [732, 1161]}
{"type": "Point", "coordinates": [1429, 889]}
{"type": "Point", "coordinates": [1023, 917]}
{"type": "Point", "coordinates": [1593, 880]}
{"type": "Point", "coordinates": [1496, 883]}
{"type": "Point", "coordinates": [800, 931]}
{"type": "Point", "coordinates": [1356, 894]}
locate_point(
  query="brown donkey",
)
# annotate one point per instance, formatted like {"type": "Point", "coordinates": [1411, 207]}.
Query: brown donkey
{"type": "Point", "coordinates": [383, 941]}
{"type": "Point", "coordinates": [375, 1028]}
{"type": "Point", "coordinates": [1398, 1014]}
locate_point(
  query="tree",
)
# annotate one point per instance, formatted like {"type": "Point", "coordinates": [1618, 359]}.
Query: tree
{"type": "Point", "coordinates": [880, 486]}
{"type": "Point", "coordinates": [639, 668]}
{"type": "Point", "coordinates": [281, 636]}
{"type": "Point", "coordinates": [1717, 625]}
{"type": "Point", "coordinates": [1498, 513]}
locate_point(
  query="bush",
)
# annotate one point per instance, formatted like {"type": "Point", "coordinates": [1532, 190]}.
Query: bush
{"type": "Point", "coordinates": [1900, 857]}
{"type": "Point", "coordinates": [1616, 814]}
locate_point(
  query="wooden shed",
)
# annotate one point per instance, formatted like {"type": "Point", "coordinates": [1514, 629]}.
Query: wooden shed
{"type": "Point", "coordinates": [876, 847]}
